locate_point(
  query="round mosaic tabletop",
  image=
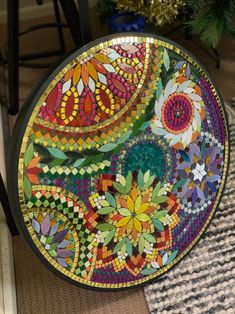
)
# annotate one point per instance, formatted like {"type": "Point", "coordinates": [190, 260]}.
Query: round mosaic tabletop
{"type": "Point", "coordinates": [118, 161]}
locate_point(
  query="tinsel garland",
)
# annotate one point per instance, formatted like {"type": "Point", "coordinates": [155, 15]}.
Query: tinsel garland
{"type": "Point", "coordinates": [159, 12]}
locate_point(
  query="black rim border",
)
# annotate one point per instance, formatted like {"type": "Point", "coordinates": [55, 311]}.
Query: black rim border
{"type": "Point", "coordinates": [16, 141]}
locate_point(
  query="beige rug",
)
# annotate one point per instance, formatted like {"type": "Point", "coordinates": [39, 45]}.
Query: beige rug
{"type": "Point", "coordinates": [39, 291]}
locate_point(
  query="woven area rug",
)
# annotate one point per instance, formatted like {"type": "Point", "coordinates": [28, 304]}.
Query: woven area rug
{"type": "Point", "coordinates": [204, 282]}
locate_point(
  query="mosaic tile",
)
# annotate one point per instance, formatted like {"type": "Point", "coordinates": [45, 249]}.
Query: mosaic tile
{"type": "Point", "coordinates": [122, 161]}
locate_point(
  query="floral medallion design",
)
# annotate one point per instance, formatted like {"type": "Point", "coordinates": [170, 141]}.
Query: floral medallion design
{"type": "Point", "coordinates": [122, 162]}
{"type": "Point", "coordinates": [200, 167]}
{"type": "Point", "coordinates": [179, 112]}
{"type": "Point", "coordinates": [137, 219]}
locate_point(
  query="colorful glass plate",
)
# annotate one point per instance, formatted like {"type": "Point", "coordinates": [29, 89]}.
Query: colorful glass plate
{"type": "Point", "coordinates": [118, 161]}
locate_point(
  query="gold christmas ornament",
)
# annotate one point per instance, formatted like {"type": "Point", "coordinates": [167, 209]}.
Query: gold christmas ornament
{"type": "Point", "coordinates": [158, 12]}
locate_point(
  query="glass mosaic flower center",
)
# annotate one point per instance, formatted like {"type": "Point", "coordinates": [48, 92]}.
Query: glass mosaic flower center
{"type": "Point", "coordinates": [177, 113]}
{"type": "Point", "coordinates": [199, 172]}
{"type": "Point", "coordinates": [122, 157]}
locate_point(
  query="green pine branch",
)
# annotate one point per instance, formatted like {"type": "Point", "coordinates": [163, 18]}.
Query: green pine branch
{"type": "Point", "coordinates": [211, 19]}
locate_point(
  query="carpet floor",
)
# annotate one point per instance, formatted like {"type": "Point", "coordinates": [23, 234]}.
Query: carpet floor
{"type": "Point", "coordinates": [39, 291]}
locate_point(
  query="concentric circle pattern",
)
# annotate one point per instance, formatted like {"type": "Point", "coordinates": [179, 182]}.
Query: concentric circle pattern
{"type": "Point", "coordinates": [121, 160]}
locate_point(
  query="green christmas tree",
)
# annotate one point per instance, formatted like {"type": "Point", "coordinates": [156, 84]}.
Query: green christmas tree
{"type": "Point", "coordinates": [212, 19]}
